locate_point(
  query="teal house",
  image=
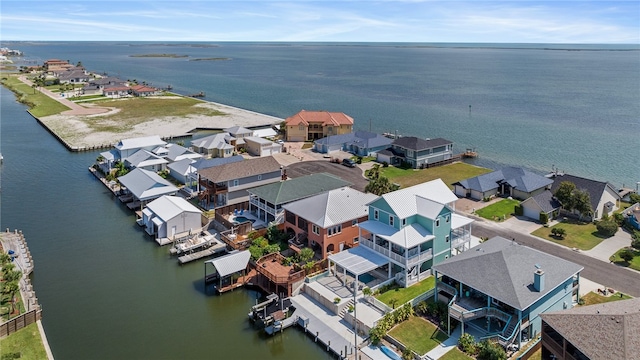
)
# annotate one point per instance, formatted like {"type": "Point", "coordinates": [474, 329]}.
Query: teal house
{"type": "Point", "coordinates": [415, 228]}
{"type": "Point", "coordinates": [499, 289]}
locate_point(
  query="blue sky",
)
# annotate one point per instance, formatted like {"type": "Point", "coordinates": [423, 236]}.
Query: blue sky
{"type": "Point", "coordinates": [358, 21]}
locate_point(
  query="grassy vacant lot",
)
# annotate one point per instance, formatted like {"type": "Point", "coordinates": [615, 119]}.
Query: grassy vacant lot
{"type": "Point", "coordinates": [448, 173]}
{"type": "Point", "coordinates": [418, 334]}
{"type": "Point", "coordinates": [402, 295]}
{"type": "Point", "coordinates": [593, 298]}
{"type": "Point", "coordinates": [26, 342]}
{"type": "Point", "coordinates": [634, 264]}
{"type": "Point", "coordinates": [40, 104]}
{"type": "Point", "coordinates": [583, 236]}
{"type": "Point", "coordinates": [455, 354]}
{"type": "Point", "coordinates": [499, 211]}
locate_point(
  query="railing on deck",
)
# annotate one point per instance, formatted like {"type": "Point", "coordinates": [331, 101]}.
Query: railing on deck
{"type": "Point", "coordinates": [423, 256]}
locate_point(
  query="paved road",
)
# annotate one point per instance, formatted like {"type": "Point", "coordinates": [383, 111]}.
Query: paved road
{"type": "Point", "coordinates": [610, 275]}
{"type": "Point", "coordinates": [352, 175]}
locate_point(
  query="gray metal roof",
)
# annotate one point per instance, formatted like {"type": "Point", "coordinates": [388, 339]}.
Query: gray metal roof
{"type": "Point", "coordinates": [516, 177]}
{"type": "Point", "coordinates": [417, 144]}
{"type": "Point", "coordinates": [545, 200]}
{"type": "Point", "coordinates": [182, 166]}
{"type": "Point", "coordinates": [141, 142]}
{"type": "Point", "coordinates": [359, 260]}
{"type": "Point", "coordinates": [504, 270]}
{"type": "Point", "coordinates": [208, 163]}
{"type": "Point", "coordinates": [601, 331]}
{"type": "Point", "coordinates": [238, 130]}
{"type": "Point", "coordinates": [168, 207]}
{"type": "Point", "coordinates": [332, 207]}
{"type": "Point", "coordinates": [142, 158]}
{"type": "Point", "coordinates": [231, 263]}
{"type": "Point", "coordinates": [145, 185]}
{"type": "Point", "coordinates": [215, 141]}
{"type": "Point", "coordinates": [299, 188]}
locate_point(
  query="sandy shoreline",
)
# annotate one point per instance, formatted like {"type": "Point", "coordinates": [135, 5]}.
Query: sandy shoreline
{"type": "Point", "coordinates": [72, 126]}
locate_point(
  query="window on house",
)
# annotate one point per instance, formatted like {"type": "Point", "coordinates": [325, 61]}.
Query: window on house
{"type": "Point", "coordinates": [236, 182]}
{"type": "Point", "coordinates": [437, 222]}
{"type": "Point", "coordinates": [356, 240]}
{"type": "Point", "coordinates": [354, 222]}
{"type": "Point", "coordinates": [315, 229]}
{"type": "Point", "coordinates": [404, 222]}
{"type": "Point", "coordinates": [259, 177]}
{"type": "Point", "coordinates": [447, 218]}
{"type": "Point", "coordinates": [391, 220]}
{"type": "Point", "coordinates": [446, 257]}
{"type": "Point", "coordinates": [446, 238]}
{"type": "Point", "coordinates": [375, 214]}
{"type": "Point", "coordinates": [301, 127]}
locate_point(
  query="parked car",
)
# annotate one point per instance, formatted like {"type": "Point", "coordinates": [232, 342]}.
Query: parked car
{"type": "Point", "coordinates": [349, 163]}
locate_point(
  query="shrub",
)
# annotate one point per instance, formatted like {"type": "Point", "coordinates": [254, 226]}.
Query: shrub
{"type": "Point", "coordinates": [306, 254]}
{"type": "Point", "coordinates": [467, 343]}
{"type": "Point", "coordinates": [336, 300]}
{"type": "Point", "coordinates": [558, 232]}
{"type": "Point", "coordinates": [635, 244]}
{"type": "Point", "coordinates": [607, 227]}
{"type": "Point", "coordinates": [407, 354]}
{"type": "Point", "coordinates": [518, 210]}
{"type": "Point", "coordinates": [544, 218]}
{"type": "Point", "coordinates": [627, 255]}
{"type": "Point", "coordinates": [491, 351]}
{"type": "Point", "coordinates": [385, 164]}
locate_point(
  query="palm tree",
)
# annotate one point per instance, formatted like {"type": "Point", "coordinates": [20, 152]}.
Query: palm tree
{"type": "Point", "coordinates": [11, 288]}
{"type": "Point", "coordinates": [4, 258]}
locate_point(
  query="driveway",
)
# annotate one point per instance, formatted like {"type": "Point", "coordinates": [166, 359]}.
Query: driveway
{"type": "Point", "coordinates": [610, 246]}
{"type": "Point", "coordinates": [352, 175]}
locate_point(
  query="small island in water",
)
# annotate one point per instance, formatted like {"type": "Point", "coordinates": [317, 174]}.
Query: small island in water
{"type": "Point", "coordinates": [211, 59]}
{"type": "Point", "coordinates": [159, 55]}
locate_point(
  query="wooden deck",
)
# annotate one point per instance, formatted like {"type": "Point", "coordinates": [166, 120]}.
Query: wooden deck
{"type": "Point", "coordinates": [242, 280]}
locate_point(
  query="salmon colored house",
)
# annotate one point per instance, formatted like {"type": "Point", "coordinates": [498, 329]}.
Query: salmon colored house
{"type": "Point", "coordinates": [327, 222]}
{"type": "Point", "coordinates": [314, 125]}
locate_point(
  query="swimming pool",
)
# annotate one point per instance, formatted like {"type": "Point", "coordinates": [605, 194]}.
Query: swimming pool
{"type": "Point", "coordinates": [242, 219]}
{"type": "Point", "coordinates": [366, 278]}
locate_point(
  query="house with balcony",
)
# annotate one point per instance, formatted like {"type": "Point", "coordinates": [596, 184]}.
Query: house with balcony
{"type": "Point", "coordinates": [415, 228]}
{"type": "Point", "coordinates": [418, 153]}
{"type": "Point", "coordinates": [361, 143]}
{"type": "Point", "coordinates": [314, 125]}
{"type": "Point", "coordinates": [508, 181]}
{"type": "Point", "coordinates": [267, 201]}
{"type": "Point", "coordinates": [220, 145]}
{"type": "Point", "coordinates": [127, 147]}
{"type": "Point", "coordinates": [239, 133]}
{"type": "Point", "coordinates": [500, 288]}
{"type": "Point", "coordinates": [595, 332]}
{"type": "Point", "coordinates": [327, 221]}
{"type": "Point", "coordinates": [227, 184]}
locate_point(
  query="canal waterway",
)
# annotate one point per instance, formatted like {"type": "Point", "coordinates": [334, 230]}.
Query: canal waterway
{"type": "Point", "coordinates": [107, 290]}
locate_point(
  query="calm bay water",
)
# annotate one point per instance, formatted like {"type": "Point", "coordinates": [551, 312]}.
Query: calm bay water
{"type": "Point", "coordinates": [110, 292]}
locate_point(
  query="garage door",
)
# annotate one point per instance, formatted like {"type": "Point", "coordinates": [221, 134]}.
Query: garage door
{"type": "Point", "coordinates": [531, 213]}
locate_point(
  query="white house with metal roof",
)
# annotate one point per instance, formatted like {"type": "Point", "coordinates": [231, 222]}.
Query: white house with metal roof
{"type": "Point", "coordinates": [146, 160]}
{"type": "Point", "coordinates": [127, 147]}
{"type": "Point", "coordinates": [168, 216]}
{"type": "Point", "coordinates": [257, 146]}
{"type": "Point", "coordinates": [176, 152]}
{"type": "Point", "coordinates": [146, 185]}
{"type": "Point", "coordinates": [500, 288]}
{"type": "Point", "coordinates": [415, 228]}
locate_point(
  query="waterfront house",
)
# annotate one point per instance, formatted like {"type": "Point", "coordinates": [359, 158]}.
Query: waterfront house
{"type": "Point", "coordinates": [227, 184]}
{"type": "Point", "coordinates": [74, 76]}
{"type": "Point", "coordinates": [56, 65]}
{"type": "Point", "coordinates": [228, 270]}
{"type": "Point", "coordinates": [115, 91]}
{"type": "Point", "coordinates": [144, 90]}
{"type": "Point", "coordinates": [508, 181]}
{"type": "Point", "coordinates": [171, 217]}
{"type": "Point", "coordinates": [181, 170]}
{"type": "Point", "coordinates": [500, 288]}
{"type": "Point", "coordinates": [127, 147]}
{"type": "Point", "coordinates": [361, 143]}
{"type": "Point", "coordinates": [144, 159]}
{"type": "Point", "coordinates": [107, 81]}
{"type": "Point", "coordinates": [217, 145]}
{"type": "Point", "coordinates": [266, 201]}
{"type": "Point", "coordinates": [603, 195]}
{"type": "Point", "coordinates": [90, 89]}
{"type": "Point", "coordinates": [257, 146]}
{"type": "Point", "coordinates": [543, 202]}
{"type": "Point", "coordinates": [146, 186]}
{"type": "Point", "coordinates": [596, 332]}
{"type": "Point", "coordinates": [239, 133]}
{"type": "Point", "coordinates": [632, 215]}
{"type": "Point", "coordinates": [415, 228]}
{"type": "Point", "coordinates": [416, 152]}
{"type": "Point", "coordinates": [314, 125]}
{"type": "Point", "coordinates": [176, 152]}
{"type": "Point", "coordinates": [328, 220]}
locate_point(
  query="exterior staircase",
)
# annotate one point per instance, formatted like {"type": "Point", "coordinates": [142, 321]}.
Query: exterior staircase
{"type": "Point", "coordinates": [346, 308]}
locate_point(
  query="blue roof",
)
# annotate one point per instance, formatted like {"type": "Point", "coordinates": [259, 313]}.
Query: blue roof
{"type": "Point", "coordinates": [208, 163]}
{"type": "Point", "coordinates": [363, 139]}
{"type": "Point", "coordinates": [517, 178]}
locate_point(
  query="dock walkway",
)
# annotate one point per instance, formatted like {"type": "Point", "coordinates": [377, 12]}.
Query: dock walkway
{"type": "Point", "coordinates": [217, 248]}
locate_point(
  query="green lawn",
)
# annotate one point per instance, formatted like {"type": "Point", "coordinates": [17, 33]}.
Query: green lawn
{"type": "Point", "coordinates": [634, 264]}
{"type": "Point", "coordinates": [418, 334]}
{"type": "Point", "coordinates": [583, 236]}
{"type": "Point", "coordinates": [499, 211]}
{"type": "Point", "coordinates": [455, 354]}
{"type": "Point", "coordinates": [405, 294]}
{"type": "Point", "coordinates": [26, 342]}
{"type": "Point", "coordinates": [39, 103]}
{"type": "Point", "coordinates": [593, 298]}
{"type": "Point", "coordinates": [448, 173]}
